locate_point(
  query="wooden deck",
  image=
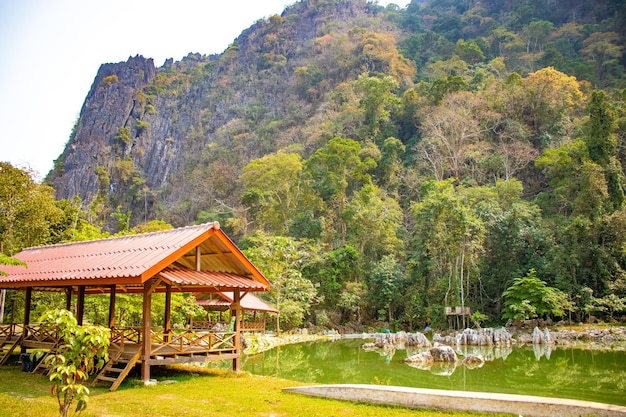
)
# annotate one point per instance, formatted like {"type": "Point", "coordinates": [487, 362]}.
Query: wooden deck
{"type": "Point", "coordinates": [178, 346]}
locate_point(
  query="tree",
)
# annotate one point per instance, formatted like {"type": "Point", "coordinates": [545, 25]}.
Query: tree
{"type": "Point", "coordinates": [374, 222]}
{"type": "Point", "coordinates": [337, 170]}
{"type": "Point", "coordinates": [6, 260]}
{"type": "Point", "coordinates": [448, 240]}
{"type": "Point", "coordinates": [535, 35]}
{"type": "Point", "coordinates": [386, 283]}
{"type": "Point", "coordinates": [377, 103]}
{"type": "Point", "coordinates": [334, 271]}
{"type": "Point", "coordinates": [274, 187]}
{"type": "Point", "coordinates": [550, 99]}
{"type": "Point", "coordinates": [601, 143]}
{"type": "Point", "coordinates": [529, 297]}
{"type": "Point", "coordinates": [611, 303]}
{"type": "Point", "coordinates": [281, 259]}
{"type": "Point", "coordinates": [27, 210]}
{"type": "Point", "coordinates": [83, 350]}
{"type": "Point", "coordinates": [449, 130]}
{"type": "Point", "coordinates": [604, 50]}
{"type": "Point", "coordinates": [469, 51]}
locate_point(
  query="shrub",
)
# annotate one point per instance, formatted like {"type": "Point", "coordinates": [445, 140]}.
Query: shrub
{"type": "Point", "coordinates": [82, 350]}
{"type": "Point", "coordinates": [109, 81]}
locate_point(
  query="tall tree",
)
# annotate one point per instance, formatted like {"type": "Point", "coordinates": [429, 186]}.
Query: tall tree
{"type": "Point", "coordinates": [449, 131]}
{"type": "Point", "coordinates": [281, 259]}
{"type": "Point", "coordinates": [27, 210]}
{"type": "Point", "coordinates": [274, 187]}
{"type": "Point", "coordinates": [337, 170]}
{"type": "Point", "coordinates": [448, 239]}
{"type": "Point", "coordinates": [601, 143]}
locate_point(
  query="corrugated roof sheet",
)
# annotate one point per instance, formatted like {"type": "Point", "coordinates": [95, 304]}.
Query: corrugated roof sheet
{"type": "Point", "coordinates": [219, 280]}
{"type": "Point", "coordinates": [131, 259]}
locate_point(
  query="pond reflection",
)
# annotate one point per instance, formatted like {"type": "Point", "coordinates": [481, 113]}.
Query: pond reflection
{"type": "Point", "coordinates": [592, 375]}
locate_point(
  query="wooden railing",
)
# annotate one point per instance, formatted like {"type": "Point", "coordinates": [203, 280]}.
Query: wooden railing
{"type": "Point", "coordinates": [207, 325]}
{"type": "Point", "coordinates": [9, 330]}
{"type": "Point", "coordinates": [35, 333]}
{"type": "Point", "coordinates": [191, 342]}
{"type": "Point", "coordinates": [253, 326]}
{"type": "Point", "coordinates": [173, 343]}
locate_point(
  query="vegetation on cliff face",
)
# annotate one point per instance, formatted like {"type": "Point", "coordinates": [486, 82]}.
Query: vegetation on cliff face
{"type": "Point", "coordinates": [426, 157]}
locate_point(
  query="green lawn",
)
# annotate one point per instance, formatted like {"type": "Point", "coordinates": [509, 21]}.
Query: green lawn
{"type": "Point", "coordinates": [194, 393]}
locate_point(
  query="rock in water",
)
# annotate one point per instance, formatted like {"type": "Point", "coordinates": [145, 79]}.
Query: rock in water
{"type": "Point", "coordinates": [443, 354]}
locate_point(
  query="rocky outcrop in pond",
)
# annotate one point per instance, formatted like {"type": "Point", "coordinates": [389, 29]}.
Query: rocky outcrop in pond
{"type": "Point", "coordinates": [480, 337]}
{"type": "Point", "coordinates": [443, 360]}
{"type": "Point", "coordinates": [400, 340]}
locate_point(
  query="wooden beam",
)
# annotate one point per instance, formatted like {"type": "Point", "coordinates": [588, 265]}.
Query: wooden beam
{"type": "Point", "coordinates": [112, 296]}
{"type": "Point", "coordinates": [75, 282]}
{"type": "Point", "coordinates": [167, 325]}
{"type": "Point", "coordinates": [80, 305]}
{"type": "Point", "coordinates": [153, 284]}
{"type": "Point", "coordinates": [147, 305]}
{"type": "Point", "coordinates": [237, 307]}
{"type": "Point", "coordinates": [68, 298]}
{"type": "Point", "coordinates": [190, 359]}
{"type": "Point", "coordinates": [198, 258]}
{"type": "Point", "coordinates": [161, 265]}
{"type": "Point", "coordinates": [27, 304]}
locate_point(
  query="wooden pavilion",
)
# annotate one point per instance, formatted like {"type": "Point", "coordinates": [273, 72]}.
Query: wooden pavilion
{"type": "Point", "coordinates": [194, 259]}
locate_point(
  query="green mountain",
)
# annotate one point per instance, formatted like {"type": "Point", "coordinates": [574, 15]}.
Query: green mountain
{"type": "Point", "coordinates": [433, 153]}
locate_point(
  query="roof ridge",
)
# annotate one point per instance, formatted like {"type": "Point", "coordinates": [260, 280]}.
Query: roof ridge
{"type": "Point", "coordinates": [208, 225]}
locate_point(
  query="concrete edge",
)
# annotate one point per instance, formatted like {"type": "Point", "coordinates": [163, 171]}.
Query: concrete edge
{"type": "Point", "coordinates": [523, 405]}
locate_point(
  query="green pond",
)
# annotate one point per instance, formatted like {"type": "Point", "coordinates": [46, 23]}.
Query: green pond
{"type": "Point", "coordinates": [590, 375]}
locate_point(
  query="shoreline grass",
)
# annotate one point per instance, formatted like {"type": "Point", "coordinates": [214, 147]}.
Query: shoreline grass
{"type": "Point", "coordinates": [190, 392]}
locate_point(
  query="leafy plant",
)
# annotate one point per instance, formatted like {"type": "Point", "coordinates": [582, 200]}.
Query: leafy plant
{"type": "Point", "coordinates": [82, 350]}
{"type": "Point", "coordinates": [8, 260]}
{"type": "Point", "coordinates": [529, 297]}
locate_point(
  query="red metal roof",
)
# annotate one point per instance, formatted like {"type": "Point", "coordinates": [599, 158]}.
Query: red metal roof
{"type": "Point", "coordinates": [133, 259]}
{"type": "Point", "coordinates": [218, 280]}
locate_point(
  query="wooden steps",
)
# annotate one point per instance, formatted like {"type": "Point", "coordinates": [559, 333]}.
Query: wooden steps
{"type": "Point", "coordinates": [7, 346]}
{"type": "Point", "coordinates": [117, 369]}
{"type": "Point", "coordinates": [41, 364]}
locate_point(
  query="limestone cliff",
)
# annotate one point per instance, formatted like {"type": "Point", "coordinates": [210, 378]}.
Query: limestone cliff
{"type": "Point", "coordinates": [171, 141]}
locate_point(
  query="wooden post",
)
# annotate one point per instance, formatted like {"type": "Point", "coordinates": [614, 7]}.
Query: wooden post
{"type": "Point", "coordinates": [167, 325]}
{"type": "Point", "coordinates": [80, 305]}
{"type": "Point", "coordinates": [112, 295]}
{"type": "Point", "coordinates": [198, 258]}
{"type": "Point", "coordinates": [68, 298]}
{"type": "Point", "coordinates": [147, 305]}
{"type": "Point", "coordinates": [27, 302]}
{"type": "Point", "coordinates": [236, 307]}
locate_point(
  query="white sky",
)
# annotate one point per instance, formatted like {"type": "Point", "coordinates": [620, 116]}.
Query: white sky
{"type": "Point", "coordinates": [50, 52]}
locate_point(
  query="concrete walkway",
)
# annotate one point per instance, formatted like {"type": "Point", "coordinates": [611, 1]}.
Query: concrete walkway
{"type": "Point", "coordinates": [523, 405]}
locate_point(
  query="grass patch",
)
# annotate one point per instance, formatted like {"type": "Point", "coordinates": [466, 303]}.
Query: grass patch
{"type": "Point", "coordinates": [191, 391]}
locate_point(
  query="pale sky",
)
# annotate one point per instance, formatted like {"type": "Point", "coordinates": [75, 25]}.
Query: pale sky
{"type": "Point", "coordinates": [50, 52]}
